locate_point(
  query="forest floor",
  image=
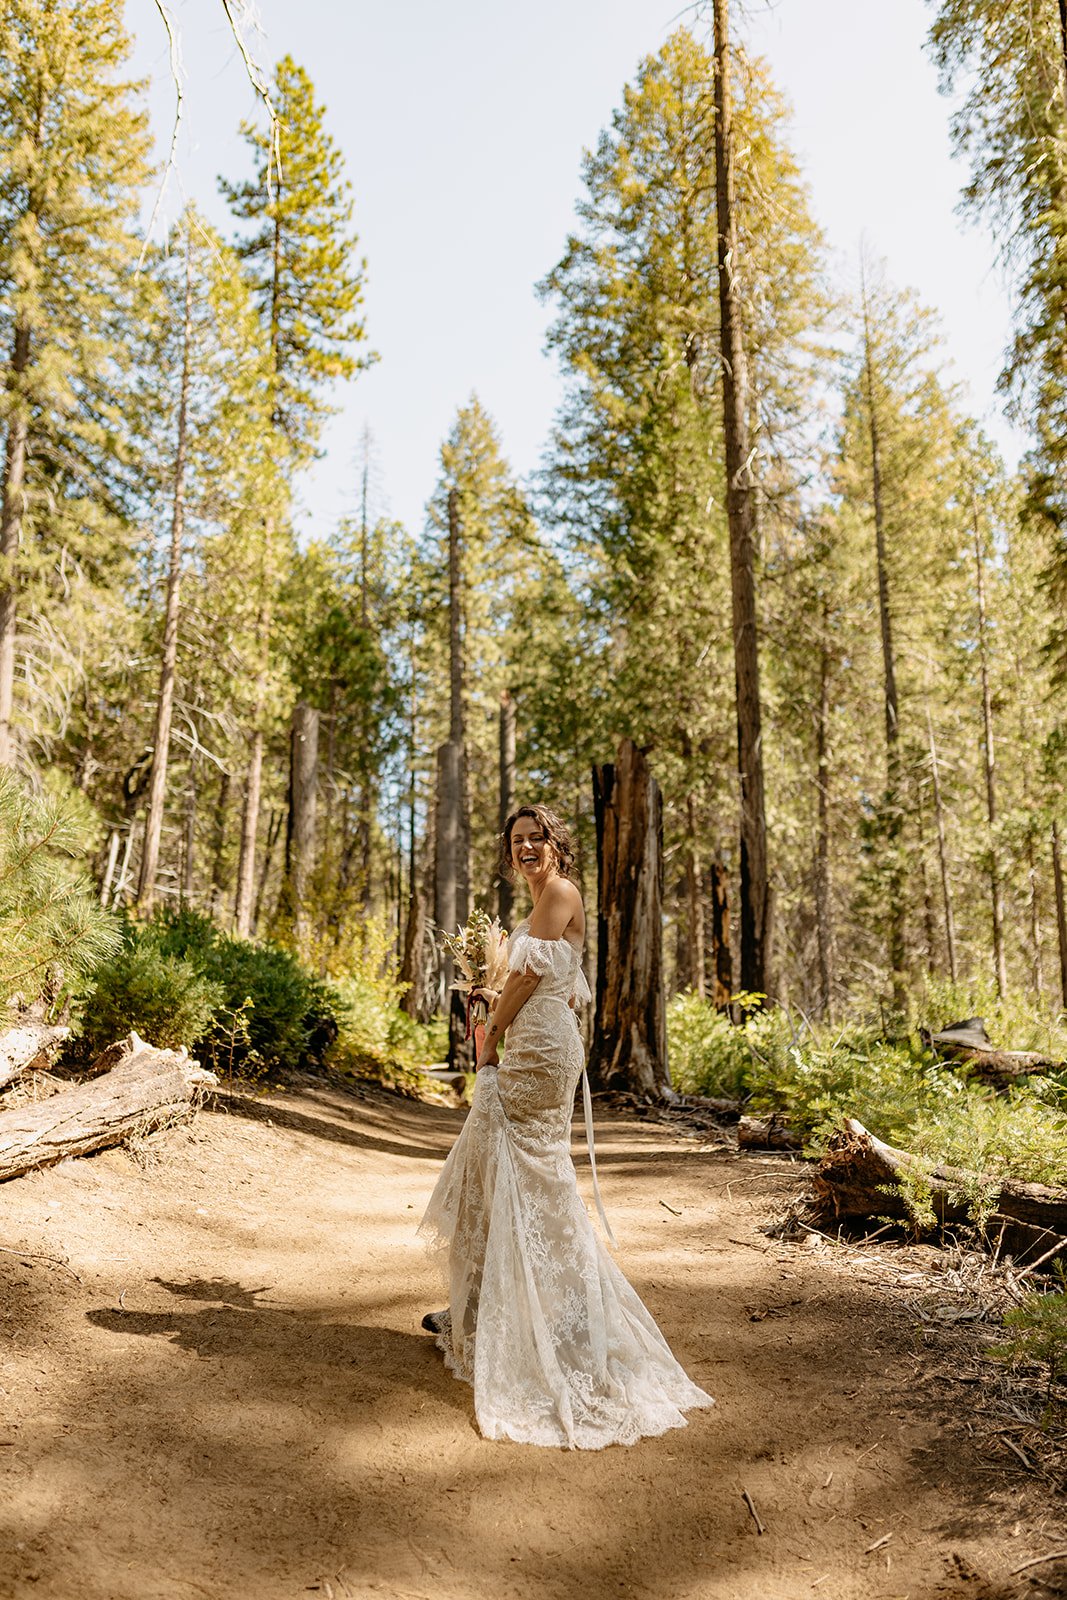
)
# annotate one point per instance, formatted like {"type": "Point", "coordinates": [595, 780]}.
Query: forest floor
{"type": "Point", "coordinates": [218, 1387]}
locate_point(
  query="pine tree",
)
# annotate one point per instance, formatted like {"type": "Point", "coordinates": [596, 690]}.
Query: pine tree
{"type": "Point", "coordinates": [307, 286]}
{"type": "Point", "coordinates": [73, 144]}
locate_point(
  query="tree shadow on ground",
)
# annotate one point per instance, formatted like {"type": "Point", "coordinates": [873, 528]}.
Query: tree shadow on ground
{"type": "Point", "coordinates": [295, 1440]}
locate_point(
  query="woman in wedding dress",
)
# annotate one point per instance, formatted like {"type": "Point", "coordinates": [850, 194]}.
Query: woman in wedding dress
{"type": "Point", "coordinates": [557, 1346]}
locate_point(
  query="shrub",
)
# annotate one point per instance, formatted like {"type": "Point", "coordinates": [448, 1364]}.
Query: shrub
{"type": "Point", "coordinates": [708, 1055]}
{"type": "Point", "coordinates": [240, 1006]}
{"type": "Point", "coordinates": [1039, 1333]}
{"type": "Point", "coordinates": [166, 999]}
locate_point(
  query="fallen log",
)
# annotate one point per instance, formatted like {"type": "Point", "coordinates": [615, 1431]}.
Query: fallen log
{"type": "Point", "coordinates": [28, 1047]}
{"type": "Point", "coordinates": [859, 1178]}
{"type": "Point", "coordinates": [968, 1044]}
{"type": "Point", "coordinates": [767, 1133]}
{"type": "Point", "coordinates": [147, 1089]}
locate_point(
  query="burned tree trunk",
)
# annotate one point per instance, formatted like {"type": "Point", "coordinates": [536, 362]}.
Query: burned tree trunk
{"type": "Point", "coordinates": [630, 1032]}
{"type": "Point", "coordinates": [303, 793]}
{"type": "Point", "coordinates": [756, 906]}
{"type": "Point", "coordinates": [505, 893]}
{"type": "Point", "coordinates": [452, 866]}
{"type": "Point", "coordinates": [719, 953]}
{"type": "Point", "coordinates": [147, 1089]}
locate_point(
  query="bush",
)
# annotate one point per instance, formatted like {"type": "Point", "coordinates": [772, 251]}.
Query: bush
{"type": "Point", "coordinates": [1039, 1333]}
{"type": "Point", "coordinates": [241, 1007]}
{"type": "Point", "coordinates": [708, 1055]}
{"type": "Point", "coordinates": [164, 998]}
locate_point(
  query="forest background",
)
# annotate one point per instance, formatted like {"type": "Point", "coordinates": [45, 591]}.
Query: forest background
{"type": "Point", "coordinates": [255, 738]}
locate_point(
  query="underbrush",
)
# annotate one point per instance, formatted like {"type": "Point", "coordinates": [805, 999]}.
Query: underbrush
{"type": "Point", "coordinates": [251, 1010]}
{"type": "Point", "coordinates": [815, 1075]}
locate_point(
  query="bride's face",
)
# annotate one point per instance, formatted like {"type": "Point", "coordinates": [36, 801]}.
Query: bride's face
{"type": "Point", "coordinates": [531, 853]}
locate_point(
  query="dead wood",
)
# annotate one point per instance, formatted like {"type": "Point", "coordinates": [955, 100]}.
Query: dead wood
{"type": "Point", "coordinates": [29, 1046]}
{"type": "Point", "coordinates": [968, 1044]}
{"type": "Point", "coordinates": [859, 1178]}
{"type": "Point", "coordinates": [767, 1133]}
{"type": "Point", "coordinates": [147, 1089]}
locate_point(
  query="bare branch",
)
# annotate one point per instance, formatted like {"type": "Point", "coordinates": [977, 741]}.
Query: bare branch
{"type": "Point", "coordinates": [241, 14]}
{"type": "Point", "coordinates": [179, 106]}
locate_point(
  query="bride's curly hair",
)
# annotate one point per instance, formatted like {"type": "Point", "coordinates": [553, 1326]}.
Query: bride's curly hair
{"type": "Point", "coordinates": [555, 831]}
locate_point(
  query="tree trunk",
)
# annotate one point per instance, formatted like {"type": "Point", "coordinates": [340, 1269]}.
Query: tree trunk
{"type": "Point", "coordinates": [274, 833]}
{"type": "Point", "coordinates": [741, 516]}
{"type": "Point", "coordinates": [694, 887]}
{"type": "Point", "coordinates": [1036, 941]}
{"type": "Point", "coordinates": [719, 982]}
{"type": "Point", "coordinates": [189, 836]}
{"type": "Point", "coordinates": [942, 854]}
{"type": "Point", "coordinates": [505, 892]}
{"type": "Point", "coordinates": [630, 1032]}
{"type": "Point", "coordinates": [303, 794]}
{"type": "Point", "coordinates": [824, 927]}
{"type": "Point", "coordinates": [157, 792]}
{"type": "Point", "coordinates": [246, 861]}
{"type": "Point", "coordinates": [219, 840]}
{"type": "Point", "coordinates": [1061, 911]}
{"type": "Point", "coordinates": [452, 870]}
{"type": "Point", "coordinates": [146, 1090]}
{"type": "Point", "coordinates": [12, 511]}
{"type": "Point", "coordinates": [893, 798]}
{"type": "Point", "coordinates": [996, 894]}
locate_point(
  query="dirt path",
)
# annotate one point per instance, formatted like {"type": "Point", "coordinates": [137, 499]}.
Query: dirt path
{"type": "Point", "coordinates": [233, 1397]}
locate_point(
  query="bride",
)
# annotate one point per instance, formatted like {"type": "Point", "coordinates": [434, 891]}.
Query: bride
{"type": "Point", "coordinates": [556, 1344]}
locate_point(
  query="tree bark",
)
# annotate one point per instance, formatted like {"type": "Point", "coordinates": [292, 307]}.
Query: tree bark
{"type": "Point", "coordinates": [505, 892]}
{"type": "Point", "coordinates": [246, 861]}
{"type": "Point", "coordinates": [824, 927]}
{"type": "Point", "coordinates": [630, 1031]}
{"type": "Point", "coordinates": [28, 1047]}
{"type": "Point", "coordinates": [452, 887]}
{"type": "Point", "coordinates": [157, 792]}
{"type": "Point", "coordinates": [942, 854]}
{"type": "Point", "coordinates": [741, 517]}
{"type": "Point", "coordinates": [219, 841]}
{"type": "Point", "coordinates": [858, 1179]}
{"type": "Point", "coordinates": [996, 893]}
{"type": "Point", "coordinates": [12, 511]}
{"type": "Point", "coordinates": [146, 1090]}
{"type": "Point", "coordinates": [303, 787]}
{"type": "Point", "coordinates": [1061, 911]}
{"type": "Point", "coordinates": [719, 955]}
{"type": "Point", "coordinates": [694, 887]}
{"type": "Point", "coordinates": [893, 798]}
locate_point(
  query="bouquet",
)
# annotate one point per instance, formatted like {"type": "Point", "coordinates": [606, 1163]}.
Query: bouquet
{"type": "Point", "coordinates": [480, 952]}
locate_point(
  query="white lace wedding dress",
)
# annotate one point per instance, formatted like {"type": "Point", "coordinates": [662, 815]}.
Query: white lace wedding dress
{"type": "Point", "coordinates": [541, 1322]}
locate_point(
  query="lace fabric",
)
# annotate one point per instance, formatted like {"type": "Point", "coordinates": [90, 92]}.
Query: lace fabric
{"type": "Point", "coordinates": [557, 1345]}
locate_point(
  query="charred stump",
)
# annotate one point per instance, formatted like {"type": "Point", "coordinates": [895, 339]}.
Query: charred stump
{"type": "Point", "coordinates": [629, 1050]}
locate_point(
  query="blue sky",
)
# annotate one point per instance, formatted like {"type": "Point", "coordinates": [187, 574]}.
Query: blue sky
{"type": "Point", "coordinates": [463, 127]}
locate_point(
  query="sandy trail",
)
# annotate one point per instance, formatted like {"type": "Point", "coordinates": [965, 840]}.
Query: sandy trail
{"type": "Point", "coordinates": [236, 1400]}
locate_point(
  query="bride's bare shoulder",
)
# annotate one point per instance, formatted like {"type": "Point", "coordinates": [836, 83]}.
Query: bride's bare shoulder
{"type": "Point", "coordinates": [558, 909]}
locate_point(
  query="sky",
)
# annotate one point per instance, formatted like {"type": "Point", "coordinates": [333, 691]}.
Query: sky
{"type": "Point", "coordinates": [463, 129]}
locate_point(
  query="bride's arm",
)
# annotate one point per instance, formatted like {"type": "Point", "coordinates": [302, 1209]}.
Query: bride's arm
{"type": "Point", "coordinates": [517, 989]}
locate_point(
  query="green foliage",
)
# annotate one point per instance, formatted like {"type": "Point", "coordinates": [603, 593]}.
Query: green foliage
{"type": "Point", "coordinates": [1039, 1333]}
{"type": "Point", "coordinates": [816, 1076]}
{"type": "Point", "coordinates": [52, 928]}
{"type": "Point", "coordinates": [163, 998]}
{"type": "Point", "coordinates": [240, 1007]}
{"type": "Point", "coordinates": [708, 1055]}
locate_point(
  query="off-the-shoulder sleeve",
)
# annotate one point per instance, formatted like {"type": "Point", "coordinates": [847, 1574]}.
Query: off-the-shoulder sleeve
{"type": "Point", "coordinates": [582, 991]}
{"type": "Point", "coordinates": [540, 956]}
